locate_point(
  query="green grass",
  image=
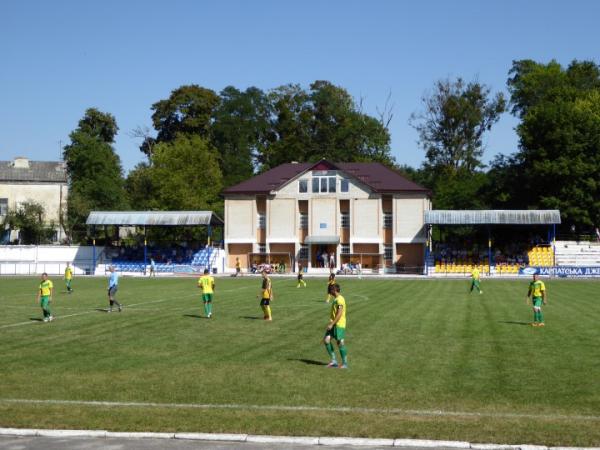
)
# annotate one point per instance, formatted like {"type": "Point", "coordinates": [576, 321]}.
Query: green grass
{"type": "Point", "coordinates": [414, 346]}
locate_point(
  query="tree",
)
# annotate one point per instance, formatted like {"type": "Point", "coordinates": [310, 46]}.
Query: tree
{"type": "Point", "coordinates": [240, 131]}
{"type": "Point", "coordinates": [29, 219]}
{"type": "Point", "coordinates": [100, 125]}
{"type": "Point", "coordinates": [323, 122]}
{"type": "Point", "coordinates": [188, 110]}
{"type": "Point", "coordinates": [186, 175]}
{"type": "Point", "coordinates": [94, 171]}
{"type": "Point", "coordinates": [456, 115]}
{"type": "Point", "coordinates": [559, 138]}
{"type": "Point", "coordinates": [140, 188]}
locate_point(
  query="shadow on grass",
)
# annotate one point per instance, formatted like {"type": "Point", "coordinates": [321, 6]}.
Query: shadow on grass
{"type": "Point", "coordinates": [251, 318]}
{"type": "Point", "coordinates": [311, 362]}
{"type": "Point", "coordinates": [194, 316]}
{"type": "Point", "coordinates": [104, 310]}
{"type": "Point", "coordinates": [512, 322]}
{"type": "Point", "coordinates": [36, 319]}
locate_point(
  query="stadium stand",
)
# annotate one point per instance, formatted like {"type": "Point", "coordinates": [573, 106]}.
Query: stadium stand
{"type": "Point", "coordinates": [130, 259]}
{"type": "Point", "coordinates": [541, 256]}
{"type": "Point", "coordinates": [579, 254]}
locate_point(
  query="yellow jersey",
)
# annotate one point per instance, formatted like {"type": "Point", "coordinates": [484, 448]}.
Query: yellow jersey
{"type": "Point", "coordinates": [536, 288]}
{"type": "Point", "coordinates": [46, 288]}
{"type": "Point", "coordinates": [475, 274]}
{"type": "Point", "coordinates": [68, 273]}
{"type": "Point", "coordinates": [266, 289]}
{"type": "Point", "coordinates": [206, 282]}
{"type": "Point", "coordinates": [338, 302]}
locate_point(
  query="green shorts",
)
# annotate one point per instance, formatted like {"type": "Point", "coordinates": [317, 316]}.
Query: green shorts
{"type": "Point", "coordinates": [475, 283]}
{"type": "Point", "coordinates": [207, 298]}
{"type": "Point", "coordinates": [337, 333]}
{"type": "Point", "coordinates": [44, 300]}
{"type": "Point", "coordinates": [537, 302]}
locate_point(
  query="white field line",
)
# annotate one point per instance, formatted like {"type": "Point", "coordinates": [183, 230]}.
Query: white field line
{"type": "Point", "coordinates": [304, 408]}
{"type": "Point", "coordinates": [126, 306]}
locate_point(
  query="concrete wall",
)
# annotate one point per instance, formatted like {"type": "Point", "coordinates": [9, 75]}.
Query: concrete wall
{"type": "Point", "coordinates": [323, 217]}
{"type": "Point", "coordinates": [409, 212]}
{"type": "Point", "coordinates": [52, 196]}
{"type": "Point", "coordinates": [240, 219]}
{"type": "Point", "coordinates": [366, 219]}
{"type": "Point", "coordinates": [282, 218]}
{"type": "Point", "coordinates": [32, 259]}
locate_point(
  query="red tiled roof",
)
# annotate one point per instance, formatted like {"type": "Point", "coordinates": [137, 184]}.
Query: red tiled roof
{"type": "Point", "coordinates": [376, 176]}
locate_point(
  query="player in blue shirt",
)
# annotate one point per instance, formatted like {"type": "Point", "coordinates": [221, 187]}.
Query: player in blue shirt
{"type": "Point", "coordinates": [113, 286]}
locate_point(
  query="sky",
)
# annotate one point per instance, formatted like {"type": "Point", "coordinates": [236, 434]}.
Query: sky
{"type": "Point", "coordinates": [59, 58]}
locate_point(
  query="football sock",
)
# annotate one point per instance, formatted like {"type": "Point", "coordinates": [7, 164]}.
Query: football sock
{"type": "Point", "coordinates": [329, 348]}
{"type": "Point", "coordinates": [541, 316]}
{"type": "Point", "coordinates": [344, 354]}
{"type": "Point", "coordinates": [210, 307]}
{"type": "Point", "coordinates": [268, 310]}
{"type": "Point", "coordinates": [206, 308]}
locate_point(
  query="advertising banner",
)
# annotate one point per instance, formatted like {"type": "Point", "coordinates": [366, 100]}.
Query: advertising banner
{"type": "Point", "coordinates": [562, 272]}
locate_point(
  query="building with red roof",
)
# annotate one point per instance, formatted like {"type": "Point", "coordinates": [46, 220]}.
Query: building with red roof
{"type": "Point", "coordinates": [297, 213]}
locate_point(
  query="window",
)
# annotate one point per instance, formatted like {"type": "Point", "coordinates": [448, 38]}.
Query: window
{"type": "Point", "coordinates": [345, 249]}
{"type": "Point", "coordinates": [388, 252]}
{"type": "Point", "coordinates": [387, 220]}
{"type": "Point", "coordinates": [303, 186]}
{"type": "Point", "coordinates": [3, 206]}
{"type": "Point", "coordinates": [324, 184]}
{"type": "Point", "coordinates": [303, 221]}
{"type": "Point", "coordinates": [315, 185]}
{"type": "Point", "coordinates": [345, 220]}
{"type": "Point", "coordinates": [262, 248]}
{"type": "Point", "coordinates": [344, 186]}
{"type": "Point", "coordinates": [303, 253]}
{"type": "Point", "coordinates": [262, 221]}
{"type": "Point", "coordinates": [332, 182]}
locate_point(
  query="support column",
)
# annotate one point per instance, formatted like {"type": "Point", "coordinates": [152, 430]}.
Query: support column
{"type": "Point", "coordinates": [554, 246]}
{"type": "Point", "coordinates": [489, 251]}
{"type": "Point", "coordinates": [427, 244]}
{"type": "Point", "coordinates": [93, 268]}
{"type": "Point", "coordinates": [145, 249]}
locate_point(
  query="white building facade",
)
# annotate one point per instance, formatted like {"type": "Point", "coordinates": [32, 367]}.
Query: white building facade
{"type": "Point", "coordinates": [358, 212]}
{"type": "Point", "coordinates": [43, 182]}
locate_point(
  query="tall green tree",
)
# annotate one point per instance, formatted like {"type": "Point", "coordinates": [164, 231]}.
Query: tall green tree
{"type": "Point", "coordinates": [94, 171]}
{"type": "Point", "coordinates": [559, 138]}
{"type": "Point", "coordinates": [186, 175]}
{"type": "Point", "coordinates": [240, 131]}
{"type": "Point", "coordinates": [323, 122]}
{"type": "Point", "coordinates": [188, 110]}
{"type": "Point", "coordinates": [455, 117]}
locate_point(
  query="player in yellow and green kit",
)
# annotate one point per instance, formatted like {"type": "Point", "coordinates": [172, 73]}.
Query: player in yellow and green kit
{"type": "Point", "coordinates": [207, 284]}
{"type": "Point", "coordinates": [69, 277]}
{"type": "Point", "coordinates": [537, 292]}
{"type": "Point", "coordinates": [301, 281]}
{"type": "Point", "coordinates": [475, 280]}
{"type": "Point", "coordinates": [336, 328]}
{"type": "Point", "coordinates": [266, 296]}
{"type": "Point", "coordinates": [330, 282]}
{"type": "Point", "coordinates": [44, 296]}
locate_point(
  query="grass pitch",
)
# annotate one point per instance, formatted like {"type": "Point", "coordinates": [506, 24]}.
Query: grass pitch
{"type": "Point", "coordinates": [427, 360]}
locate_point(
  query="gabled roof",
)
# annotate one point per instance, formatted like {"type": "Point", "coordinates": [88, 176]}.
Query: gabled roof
{"type": "Point", "coordinates": [153, 218]}
{"type": "Point", "coordinates": [494, 216]}
{"type": "Point", "coordinates": [35, 171]}
{"type": "Point", "coordinates": [376, 176]}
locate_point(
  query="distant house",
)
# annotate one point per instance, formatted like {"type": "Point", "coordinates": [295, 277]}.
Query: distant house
{"type": "Point", "coordinates": [43, 182]}
{"type": "Point", "coordinates": [357, 212]}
